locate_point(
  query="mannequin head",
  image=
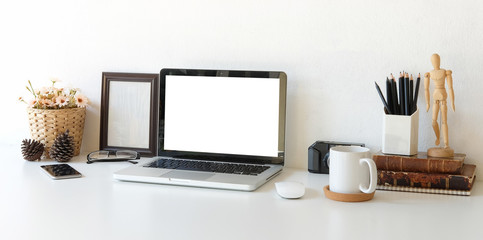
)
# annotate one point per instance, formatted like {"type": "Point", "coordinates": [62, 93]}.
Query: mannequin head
{"type": "Point", "coordinates": [435, 61]}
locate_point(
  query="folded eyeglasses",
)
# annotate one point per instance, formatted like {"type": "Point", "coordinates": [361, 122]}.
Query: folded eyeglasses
{"type": "Point", "coordinates": [113, 156]}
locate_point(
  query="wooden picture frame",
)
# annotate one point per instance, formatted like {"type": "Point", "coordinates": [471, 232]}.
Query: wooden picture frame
{"type": "Point", "coordinates": [129, 112]}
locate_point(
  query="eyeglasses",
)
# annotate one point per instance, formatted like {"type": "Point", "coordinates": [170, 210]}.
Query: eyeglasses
{"type": "Point", "coordinates": [112, 156]}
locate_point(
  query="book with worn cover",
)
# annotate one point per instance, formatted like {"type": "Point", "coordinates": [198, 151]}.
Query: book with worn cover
{"type": "Point", "coordinates": [420, 162]}
{"type": "Point", "coordinates": [462, 181]}
{"type": "Point", "coordinates": [424, 190]}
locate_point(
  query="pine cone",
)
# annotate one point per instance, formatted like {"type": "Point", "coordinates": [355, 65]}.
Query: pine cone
{"type": "Point", "coordinates": [62, 149]}
{"type": "Point", "coordinates": [32, 150]}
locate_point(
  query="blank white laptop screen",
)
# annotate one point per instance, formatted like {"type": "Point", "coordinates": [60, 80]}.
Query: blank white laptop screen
{"type": "Point", "coordinates": [228, 115]}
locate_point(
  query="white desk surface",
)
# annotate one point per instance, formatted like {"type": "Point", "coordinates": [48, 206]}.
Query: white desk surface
{"type": "Point", "coordinates": [33, 206]}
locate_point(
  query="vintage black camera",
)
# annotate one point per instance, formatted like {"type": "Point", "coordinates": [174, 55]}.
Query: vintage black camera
{"type": "Point", "coordinates": [319, 155]}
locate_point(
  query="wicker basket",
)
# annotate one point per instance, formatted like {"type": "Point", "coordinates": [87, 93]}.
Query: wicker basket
{"type": "Point", "coordinates": [46, 124]}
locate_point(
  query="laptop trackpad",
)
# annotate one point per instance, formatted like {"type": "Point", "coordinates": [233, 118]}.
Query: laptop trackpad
{"type": "Point", "coordinates": [187, 175]}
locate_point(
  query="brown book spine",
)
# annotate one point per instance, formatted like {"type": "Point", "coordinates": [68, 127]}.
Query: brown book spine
{"type": "Point", "coordinates": [419, 163]}
{"type": "Point", "coordinates": [463, 181]}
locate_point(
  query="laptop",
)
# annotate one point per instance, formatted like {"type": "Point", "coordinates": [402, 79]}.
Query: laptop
{"type": "Point", "coordinates": [217, 129]}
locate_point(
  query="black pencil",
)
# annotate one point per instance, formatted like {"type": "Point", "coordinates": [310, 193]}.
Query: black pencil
{"type": "Point", "coordinates": [415, 102]}
{"type": "Point", "coordinates": [401, 94]}
{"type": "Point", "coordinates": [406, 82]}
{"type": "Point", "coordinates": [382, 98]}
{"type": "Point", "coordinates": [411, 89]}
{"type": "Point", "coordinates": [406, 93]}
{"type": "Point", "coordinates": [395, 104]}
{"type": "Point", "coordinates": [389, 95]}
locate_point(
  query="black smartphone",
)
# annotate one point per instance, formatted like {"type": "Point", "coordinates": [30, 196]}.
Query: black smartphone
{"type": "Point", "coordinates": [61, 171]}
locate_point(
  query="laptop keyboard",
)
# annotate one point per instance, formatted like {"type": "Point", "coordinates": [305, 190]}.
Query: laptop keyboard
{"type": "Point", "coordinates": [231, 168]}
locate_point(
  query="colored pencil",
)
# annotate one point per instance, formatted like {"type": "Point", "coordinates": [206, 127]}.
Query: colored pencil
{"type": "Point", "coordinates": [389, 95]}
{"type": "Point", "coordinates": [415, 105]}
{"type": "Point", "coordinates": [411, 89]}
{"type": "Point", "coordinates": [401, 94]}
{"type": "Point", "coordinates": [382, 98]}
{"type": "Point", "coordinates": [394, 95]}
{"type": "Point", "coordinates": [406, 94]}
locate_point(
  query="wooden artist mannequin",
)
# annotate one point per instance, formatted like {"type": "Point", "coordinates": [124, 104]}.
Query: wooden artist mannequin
{"type": "Point", "coordinates": [439, 75]}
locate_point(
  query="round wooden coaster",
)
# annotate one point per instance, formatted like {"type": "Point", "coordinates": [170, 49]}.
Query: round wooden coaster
{"type": "Point", "coordinates": [348, 197]}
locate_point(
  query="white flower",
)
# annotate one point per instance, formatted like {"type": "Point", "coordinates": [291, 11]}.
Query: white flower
{"type": "Point", "coordinates": [46, 103]}
{"type": "Point", "coordinates": [61, 101]}
{"type": "Point", "coordinates": [44, 91]}
{"type": "Point", "coordinates": [81, 100]}
{"type": "Point", "coordinates": [54, 80]}
{"type": "Point", "coordinates": [32, 103]}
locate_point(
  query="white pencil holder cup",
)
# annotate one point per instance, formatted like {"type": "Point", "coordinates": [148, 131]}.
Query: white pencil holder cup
{"type": "Point", "coordinates": [400, 134]}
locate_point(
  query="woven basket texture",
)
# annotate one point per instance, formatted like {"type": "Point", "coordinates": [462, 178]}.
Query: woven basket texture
{"type": "Point", "coordinates": [46, 124]}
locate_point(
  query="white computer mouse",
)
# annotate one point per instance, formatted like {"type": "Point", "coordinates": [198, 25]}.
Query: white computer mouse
{"type": "Point", "coordinates": [290, 189]}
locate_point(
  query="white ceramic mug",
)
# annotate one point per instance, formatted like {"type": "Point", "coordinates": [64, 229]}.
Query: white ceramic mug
{"type": "Point", "coordinates": [351, 170]}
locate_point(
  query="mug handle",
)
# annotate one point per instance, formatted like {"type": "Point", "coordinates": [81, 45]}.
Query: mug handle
{"type": "Point", "coordinates": [372, 175]}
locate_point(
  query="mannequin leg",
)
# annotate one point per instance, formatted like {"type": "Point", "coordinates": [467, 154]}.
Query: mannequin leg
{"type": "Point", "coordinates": [435, 121]}
{"type": "Point", "coordinates": [444, 124]}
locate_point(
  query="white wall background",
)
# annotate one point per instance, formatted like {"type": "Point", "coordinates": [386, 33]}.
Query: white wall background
{"type": "Point", "coordinates": [331, 50]}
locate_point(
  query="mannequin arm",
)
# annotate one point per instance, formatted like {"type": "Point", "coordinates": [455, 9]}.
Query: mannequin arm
{"type": "Point", "coordinates": [450, 88]}
{"type": "Point", "coordinates": [426, 90]}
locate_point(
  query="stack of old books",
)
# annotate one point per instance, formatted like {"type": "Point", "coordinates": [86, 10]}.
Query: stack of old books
{"type": "Point", "coordinates": [424, 174]}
